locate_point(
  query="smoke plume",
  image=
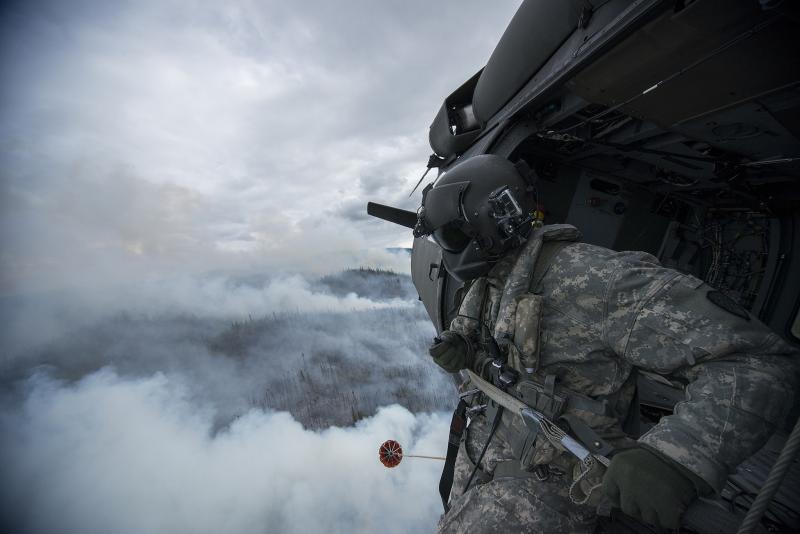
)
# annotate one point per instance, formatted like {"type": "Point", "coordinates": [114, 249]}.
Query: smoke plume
{"type": "Point", "coordinates": [108, 454]}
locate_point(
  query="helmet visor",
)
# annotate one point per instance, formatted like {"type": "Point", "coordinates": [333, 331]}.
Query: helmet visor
{"type": "Point", "coordinates": [450, 237]}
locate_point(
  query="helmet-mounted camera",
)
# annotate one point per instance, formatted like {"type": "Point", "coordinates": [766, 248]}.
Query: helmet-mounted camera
{"type": "Point", "coordinates": [512, 221]}
{"type": "Point", "coordinates": [477, 211]}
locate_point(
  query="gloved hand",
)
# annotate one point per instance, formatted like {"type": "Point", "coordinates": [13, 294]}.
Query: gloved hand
{"type": "Point", "coordinates": [649, 487]}
{"type": "Point", "coordinates": [451, 351]}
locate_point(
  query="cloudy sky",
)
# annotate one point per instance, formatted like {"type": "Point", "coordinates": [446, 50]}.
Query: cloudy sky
{"type": "Point", "coordinates": [151, 138]}
{"type": "Point", "coordinates": [154, 157]}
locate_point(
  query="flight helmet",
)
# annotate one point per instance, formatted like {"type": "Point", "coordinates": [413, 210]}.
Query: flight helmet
{"type": "Point", "coordinates": [478, 211]}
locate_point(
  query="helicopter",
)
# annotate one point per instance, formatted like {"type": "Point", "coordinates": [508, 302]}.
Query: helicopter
{"type": "Point", "coordinates": [671, 127]}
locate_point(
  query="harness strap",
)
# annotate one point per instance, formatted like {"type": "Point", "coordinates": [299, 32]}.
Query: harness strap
{"type": "Point", "coordinates": [457, 425]}
{"type": "Point", "coordinates": [632, 425]}
{"type": "Point", "coordinates": [504, 399]}
{"type": "Point", "coordinates": [587, 436]}
{"type": "Point", "coordinates": [529, 391]}
{"type": "Point", "coordinates": [518, 280]}
{"type": "Point", "coordinates": [498, 416]}
{"type": "Point", "coordinates": [513, 469]}
{"type": "Point", "coordinates": [550, 385]}
{"type": "Point", "coordinates": [545, 260]}
{"type": "Point", "coordinates": [532, 418]}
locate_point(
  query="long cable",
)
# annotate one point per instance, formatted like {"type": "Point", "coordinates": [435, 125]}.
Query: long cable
{"type": "Point", "coordinates": [495, 424]}
{"type": "Point", "coordinates": [773, 482]}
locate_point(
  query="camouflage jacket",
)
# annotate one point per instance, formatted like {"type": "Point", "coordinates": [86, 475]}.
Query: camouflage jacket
{"type": "Point", "coordinates": [601, 314]}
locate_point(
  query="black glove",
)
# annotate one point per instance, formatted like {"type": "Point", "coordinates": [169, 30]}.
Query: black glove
{"type": "Point", "coordinates": [649, 487]}
{"type": "Point", "coordinates": [451, 351]}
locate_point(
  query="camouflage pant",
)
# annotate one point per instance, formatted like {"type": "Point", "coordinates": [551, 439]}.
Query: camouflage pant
{"type": "Point", "coordinates": [509, 504]}
{"type": "Point", "coordinates": [514, 505]}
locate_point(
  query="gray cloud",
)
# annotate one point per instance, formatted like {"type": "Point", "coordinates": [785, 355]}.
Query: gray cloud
{"type": "Point", "coordinates": [178, 136]}
{"type": "Point", "coordinates": [352, 210]}
{"type": "Point", "coordinates": [371, 184]}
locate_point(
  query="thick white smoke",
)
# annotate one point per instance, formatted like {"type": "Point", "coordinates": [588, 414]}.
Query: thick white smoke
{"type": "Point", "coordinates": [33, 321]}
{"type": "Point", "coordinates": [108, 454]}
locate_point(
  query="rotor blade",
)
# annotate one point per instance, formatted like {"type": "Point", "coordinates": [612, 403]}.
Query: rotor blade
{"type": "Point", "coordinates": [395, 215]}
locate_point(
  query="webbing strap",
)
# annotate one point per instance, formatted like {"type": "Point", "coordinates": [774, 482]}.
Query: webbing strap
{"type": "Point", "coordinates": [507, 401]}
{"type": "Point", "coordinates": [632, 425]}
{"type": "Point", "coordinates": [545, 259]}
{"type": "Point", "coordinates": [457, 425]}
{"type": "Point", "coordinates": [513, 469]}
{"type": "Point", "coordinates": [588, 436]}
{"type": "Point", "coordinates": [555, 434]}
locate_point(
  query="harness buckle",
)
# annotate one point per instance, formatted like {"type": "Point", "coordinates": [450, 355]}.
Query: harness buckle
{"type": "Point", "coordinates": [508, 378]}
{"type": "Point", "coordinates": [476, 410]}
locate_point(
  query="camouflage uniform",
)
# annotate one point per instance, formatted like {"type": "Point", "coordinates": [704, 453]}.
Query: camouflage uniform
{"type": "Point", "coordinates": [602, 314]}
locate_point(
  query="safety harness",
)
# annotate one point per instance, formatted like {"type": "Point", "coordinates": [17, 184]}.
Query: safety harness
{"type": "Point", "coordinates": [537, 404]}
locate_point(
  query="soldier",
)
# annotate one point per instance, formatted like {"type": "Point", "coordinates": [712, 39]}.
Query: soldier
{"type": "Point", "coordinates": [563, 327]}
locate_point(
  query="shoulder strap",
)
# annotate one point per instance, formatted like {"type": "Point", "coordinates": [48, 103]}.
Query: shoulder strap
{"type": "Point", "coordinates": [546, 256]}
{"type": "Point", "coordinates": [457, 425]}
